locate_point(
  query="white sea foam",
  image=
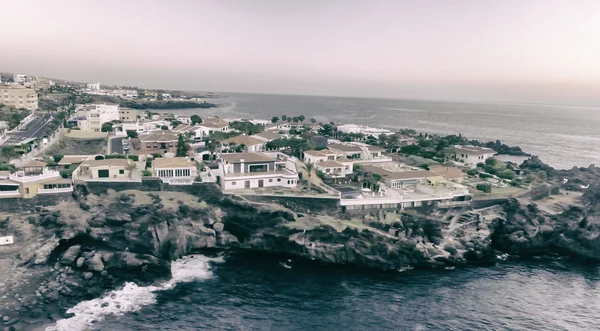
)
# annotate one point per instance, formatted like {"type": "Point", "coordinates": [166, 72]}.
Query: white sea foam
{"type": "Point", "coordinates": [132, 297]}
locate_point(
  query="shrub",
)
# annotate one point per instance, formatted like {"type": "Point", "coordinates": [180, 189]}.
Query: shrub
{"type": "Point", "coordinates": [132, 133]}
{"type": "Point", "coordinates": [133, 157]}
{"type": "Point", "coordinates": [57, 157]}
{"type": "Point", "coordinates": [484, 175]}
{"type": "Point", "coordinates": [146, 173]}
{"type": "Point", "coordinates": [507, 174]}
{"type": "Point", "coordinates": [115, 156]}
{"type": "Point", "coordinates": [99, 157]}
{"type": "Point", "coordinates": [67, 173]}
{"type": "Point", "coordinates": [486, 188]}
{"type": "Point", "coordinates": [472, 172]}
{"type": "Point", "coordinates": [491, 161]}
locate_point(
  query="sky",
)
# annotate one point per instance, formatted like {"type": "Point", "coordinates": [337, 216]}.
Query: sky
{"type": "Point", "coordinates": [509, 51]}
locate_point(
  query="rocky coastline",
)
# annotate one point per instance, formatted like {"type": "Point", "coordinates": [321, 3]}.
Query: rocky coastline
{"type": "Point", "coordinates": [81, 248]}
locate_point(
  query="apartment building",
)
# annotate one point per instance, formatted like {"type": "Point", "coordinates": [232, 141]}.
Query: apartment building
{"type": "Point", "coordinates": [91, 117]}
{"type": "Point", "coordinates": [128, 115]}
{"type": "Point", "coordinates": [18, 96]}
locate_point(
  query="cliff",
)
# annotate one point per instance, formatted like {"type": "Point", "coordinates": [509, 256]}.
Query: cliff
{"type": "Point", "coordinates": [96, 242]}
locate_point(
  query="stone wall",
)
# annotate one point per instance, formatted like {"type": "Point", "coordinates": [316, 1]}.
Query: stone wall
{"type": "Point", "coordinates": [209, 192]}
{"type": "Point", "coordinates": [300, 204]}
{"type": "Point", "coordinates": [17, 205]}
{"type": "Point", "coordinates": [541, 192]}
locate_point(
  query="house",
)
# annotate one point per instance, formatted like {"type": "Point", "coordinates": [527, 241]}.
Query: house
{"type": "Point", "coordinates": [71, 161]}
{"type": "Point", "coordinates": [404, 140]}
{"type": "Point", "coordinates": [18, 96]}
{"type": "Point", "coordinates": [159, 140]}
{"type": "Point", "coordinates": [91, 117]}
{"type": "Point", "coordinates": [357, 151]}
{"type": "Point", "coordinates": [103, 169]}
{"type": "Point", "coordinates": [213, 124]}
{"type": "Point", "coordinates": [267, 136]}
{"type": "Point", "coordinates": [313, 156]}
{"type": "Point", "coordinates": [334, 169]}
{"type": "Point", "coordinates": [248, 143]}
{"type": "Point", "coordinates": [256, 170]}
{"type": "Point", "coordinates": [399, 176]}
{"type": "Point", "coordinates": [472, 155]}
{"type": "Point", "coordinates": [31, 179]}
{"type": "Point", "coordinates": [450, 174]}
{"type": "Point", "coordinates": [128, 115]}
{"type": "Point", "coordinates": [175, 171]}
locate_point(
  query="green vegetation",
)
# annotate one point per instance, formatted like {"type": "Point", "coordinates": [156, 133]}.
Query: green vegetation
{"type": "Point", "coordinates": [195, 119]}
{"type": "Point", "coordinates": [115, 156]}
{"type": "Point", "coordinates": [274, 119]}
{"type": "Point", "coordinates": [6, 167]}
{"type": "Point", "coordinates": [132, 133]}
{"type": "Point", "coordinates": [107, 127]}
{"type": "Point", "coordinates": [13, 116]}
{"type": "Point", "coordinates": [164, 127]}
{"type": "Point", "coordinates": [130, 168]}
{"type": "Point", "coordinates": [57, 157]}
{"type": "Point", "coordinates": [134, 157]}
{"type": "Point", "coordinates": [181, 147]}
{"type": "Point", "coordinates": [297, 146]}
{"type": "Point", "coordinates": [146, 173]}
{"type": "Point", "coordinates": [485, 188]}
{"type": "Point", "coordinates": [246, 127]}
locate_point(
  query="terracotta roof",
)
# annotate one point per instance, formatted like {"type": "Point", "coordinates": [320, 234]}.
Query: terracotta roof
{"type": "Point", "coordinates": [246, 140]}
{"type": "Point", "coordinates": [397, 175]}
{"type": "Point", "coordinates": [164, 136]}
{"type": "Point", "coordinates": [173, 162]}
{"type": "Point", "coordinates": [329, 164]}
{"type": "Point", "coordinates": [345, 148]}
{"type": "Point", "coordinates": [34, 163]}
{"type": "Point", "coordinates": [67, 159]}
{"type": "Point", "coordinates": [447, 172]}
{"type": "Point", "coordinates": [247, 157]}
{"type": "Point", "coordinates": [268, 135]}
{"type": "Point", "coordinates": [106, 162]}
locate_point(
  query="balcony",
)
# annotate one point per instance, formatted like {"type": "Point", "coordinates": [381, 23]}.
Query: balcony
{"type": "Point", "coordinates": [10, 193]}
{"type": "Point", "coordinates": [23, 177]}
{"type": "Point", "coordinates": [55, 190]}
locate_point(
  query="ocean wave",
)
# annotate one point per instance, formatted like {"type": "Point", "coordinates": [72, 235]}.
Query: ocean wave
{"type": "Point", "coordinates": [132, 297]}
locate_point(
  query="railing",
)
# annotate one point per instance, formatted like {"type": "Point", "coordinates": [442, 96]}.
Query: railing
{"type": "Point", "coordinates": [177, 180]}
{"type": "Point", "coordinates": [10, 193]}
{"type": "Point", "coordinates": [19, 176]}
{"type": "Point", "coordinates": [55, 190]}
{"type": "Point", "coordinates": [453, 204]}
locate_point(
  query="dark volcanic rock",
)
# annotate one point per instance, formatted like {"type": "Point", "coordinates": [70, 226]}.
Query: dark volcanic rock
{"type": "Point", "coordinates": [117, 218]}
{"type": "Point", "coordinates": [71, 255]}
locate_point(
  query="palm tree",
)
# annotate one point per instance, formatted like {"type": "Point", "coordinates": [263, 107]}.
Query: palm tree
{"type": "Point", "coordinates": [309, 169]}
{"type": "Point", "coordinates": [130, 168]}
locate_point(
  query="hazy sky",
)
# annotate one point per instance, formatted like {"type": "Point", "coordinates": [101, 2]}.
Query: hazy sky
{"type": "Point", "coordinates": [523, 50]}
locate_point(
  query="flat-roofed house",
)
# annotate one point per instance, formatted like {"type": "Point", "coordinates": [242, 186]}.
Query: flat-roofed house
{"type": "Point", "coordinates": [175, 171]}
{"type": "Point", "coordinates": [103, 169]}
{"type": "Point", "coordinates": [334, 169]}
{"type": "Point", "coordinates": [313, 156]}
{"type": "Point", "coordinates": [472, 155]}
{"type": "Point", "coordinates": [250, 144]}
{"type": "Point", "coordinates": [31, 179]}
{"type": "Point", "coordinates": [357, 151]}
{"type": "Point", "coordinates": [267, 136]}
{"type": "Point", "coordinates": [450, 174]}
{"type": "Point", "coordinates": [256, 170]}
{"type": "Point", "coordinates": [400, 178]}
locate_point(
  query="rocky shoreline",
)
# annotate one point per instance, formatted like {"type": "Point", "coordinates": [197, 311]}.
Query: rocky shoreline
{"type": "Point", "coordinates": [79, 249]}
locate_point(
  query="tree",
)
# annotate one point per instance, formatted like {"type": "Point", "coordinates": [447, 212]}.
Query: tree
{"type": "Point", "coordinates": [130, 168]}
{"type": "Point", "coordinates": [181, 148]}
{"type": "Point", "coordinates": [313, 120]}
{"type": "Point", "coordinates": [176, 123]}
{"type": "Point", "coordinates": [107, 127]}
{"type": "Point", "coordinates": [57, 157]}
{"type": "Point", "coordinates": [309, 169]}
{"type": "Point", "coordinates": [485, 188]}
{"type": "Point", "coordinates": [284, 117]}
{"type": "Point", "coordinates": [164, 127]}
{"type": "Point", "coordinates": [196, 119]}
{"type": "Point", "coordinates": [274, 119]}
{"type": "Point", "coordinates": [301, 118]}
{"type": "Point", "coordinates": [132, 133]}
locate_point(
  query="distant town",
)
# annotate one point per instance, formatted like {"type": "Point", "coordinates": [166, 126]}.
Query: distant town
{"type": "Point", "coordinates": [56, 134]}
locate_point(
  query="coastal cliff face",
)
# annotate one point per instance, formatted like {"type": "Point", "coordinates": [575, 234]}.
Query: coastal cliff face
{"type": "Point", "coordinates": [95, 243]}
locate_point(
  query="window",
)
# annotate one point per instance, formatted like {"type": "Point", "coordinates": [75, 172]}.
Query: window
{"type": "Point", "coordinates": [278, 179]}
{"type": "Point", "coordinates": [121, 171]}
{"type": "Point", "coordinates": [270, 180]}
{"type": "Point", "coordinates": [232, 183]}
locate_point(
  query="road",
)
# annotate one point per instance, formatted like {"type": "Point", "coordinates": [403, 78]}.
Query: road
{"type": "Point", "coordinates": [35, 129]}
{"type": "Point", "coordinates": [116, 145]}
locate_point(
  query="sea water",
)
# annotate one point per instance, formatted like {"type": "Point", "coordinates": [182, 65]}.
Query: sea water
{"type": "Point", "coordinates": [563, 136]}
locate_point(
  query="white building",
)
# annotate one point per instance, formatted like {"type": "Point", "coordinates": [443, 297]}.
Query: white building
{"type": "Point", "coordinates": [247, 143]}
{"type": "Point", "coordinates": [19, 78]}
{"type": "Point", "coordinates": [472, 155]}
{"type": "Point", "coordinates": [256, 170]}
{"type": "Point", "coordinates": [93, 86]}
{"type": "Point", "coordinates": [366, 130]}
{"type": "Point", "coordinates": [334, 169]}
{"type": "Point", "coordinates": [359, 152]}
{"type": "Point", "coordinates": [321, 156]}
{"type": "Point", "coordinates": [91, 117]}
{"type": "Point", "coordinates": [175, 171]}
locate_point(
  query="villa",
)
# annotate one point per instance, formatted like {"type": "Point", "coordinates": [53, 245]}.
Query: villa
{"type": "Point", "coordinates": [334, 169]}
{"type": "Point", "coordinates": [472, 155]}
{"type": "Point", "coordinates": [175, 171]}
{"type": "Point", "coordinates": [107, 169]}
{"type": "Point", "coordinates": [256, 170]}
{"type": "Point", "coordinates": [31, 179]}
{"type": "Point", "coordinates": [359, 152]}
{"type": "Point", "coordinates": [249, 144]}
{"type": "Point", "coordinates": [159, 140]}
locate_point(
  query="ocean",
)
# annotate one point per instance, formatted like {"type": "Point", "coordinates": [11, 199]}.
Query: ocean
{"type": "Point", "coordinates": [255, 292]}
{"type": "Point", "coordinates": [563, 136]}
